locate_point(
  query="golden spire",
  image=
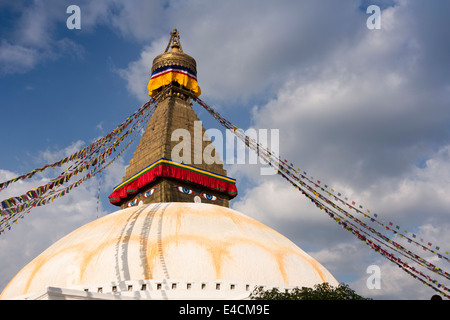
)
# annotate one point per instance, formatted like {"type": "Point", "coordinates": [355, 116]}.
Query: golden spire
{"type": "Point", "coordinates": [175, 40]}
{"type": "Point", "coordinates": [153, 176]}
{"type": "Point", "coordinates": [174, 58]}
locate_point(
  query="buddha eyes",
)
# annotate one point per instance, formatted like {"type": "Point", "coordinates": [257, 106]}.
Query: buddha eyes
{"type": "Point", "coordinates": [190, 191]}
{"type": "Point", "coordinates": [146, 194]}
{"type": "Point", "coordinates": [185, 190]}
{"type": "Point", "coordinates": [149, 192]}
{"type": "Point", "coordinates": [133, 203]}
{"type": "Point", "coordinates": [209, 197]}
{"type": "Point", "coordinates": [181, 189]}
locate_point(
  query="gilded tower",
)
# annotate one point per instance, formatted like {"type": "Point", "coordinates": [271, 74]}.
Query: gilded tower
{"type": "Point", "coordinates": [169, 164]}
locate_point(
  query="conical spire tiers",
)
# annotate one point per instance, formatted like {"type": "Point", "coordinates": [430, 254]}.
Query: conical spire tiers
{"type": "Point", "coordinates": [173, 168]}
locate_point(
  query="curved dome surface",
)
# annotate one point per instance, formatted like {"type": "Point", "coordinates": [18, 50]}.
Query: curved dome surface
{"type": "Point", "coordinates": [162, 244]}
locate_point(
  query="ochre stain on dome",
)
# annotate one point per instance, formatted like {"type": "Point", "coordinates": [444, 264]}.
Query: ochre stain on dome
{"type": "Point", "coordinates": [217, 250]}
{"type": "Point", "coordinates": [170, 241]}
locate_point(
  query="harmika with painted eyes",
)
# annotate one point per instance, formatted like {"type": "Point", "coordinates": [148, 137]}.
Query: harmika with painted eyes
{"type": "Point", "coordinates": [184, 190]}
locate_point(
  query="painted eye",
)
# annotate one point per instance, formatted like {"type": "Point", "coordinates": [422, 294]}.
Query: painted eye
{"type": "Point", "coordinates": [209, 197]}
{"type": "Point", "coordinates": [149, 192]}
{"type": "Point", "coordinates": [133, 203]}
{"type": "Point", "coordinates": [185, 190]}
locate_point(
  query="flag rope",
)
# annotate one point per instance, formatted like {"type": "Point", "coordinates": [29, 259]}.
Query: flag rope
{"type": "Point", "coordinates": [95, 156]}
{"type": "Point", "coordinates": [316, 193]}
{"type": "Point", "coordinates": [92, 157]}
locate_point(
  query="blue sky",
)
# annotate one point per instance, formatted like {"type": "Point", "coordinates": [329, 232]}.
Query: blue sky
{"type": "Point", "coordinates": [365, 110]}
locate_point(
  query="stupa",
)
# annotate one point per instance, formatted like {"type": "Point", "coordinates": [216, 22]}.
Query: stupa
{"type": "Point", "coordinates": [175, 236]}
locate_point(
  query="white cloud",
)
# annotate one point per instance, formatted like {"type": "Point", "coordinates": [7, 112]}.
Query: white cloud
{"type": "Point", "coordinates": [42, 226]}
{"type": "Point", "coordinates": [264, 39]}
{"type": "Point", "coordinates": [16, 58]}
{"type": "Point", "coordinates": [276, 200]}
{"type": "Point", "coordinates": [280, 206]}
{"type": "Point", "coordinates": [50, 156]}
{"type": "Point", "coordinates": [360, 121]}
{"type": "Point", "coordinates": [137, 74]}
{"type": "Point", "coordinates": [34, 37]}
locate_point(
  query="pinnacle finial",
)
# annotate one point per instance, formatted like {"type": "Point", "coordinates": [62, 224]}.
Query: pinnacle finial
{"type": "Point", "coordinates": [175, 41]}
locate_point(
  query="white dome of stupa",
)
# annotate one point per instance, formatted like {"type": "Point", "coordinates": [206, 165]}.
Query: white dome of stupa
{"type": "Point", "coordinates": [168, 251]}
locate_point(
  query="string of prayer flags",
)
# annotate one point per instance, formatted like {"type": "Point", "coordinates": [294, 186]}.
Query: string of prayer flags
{"type": "Point", "coordinates": [93, 157]}
{"type": "Point", "coordinates": [336, 206]}
{"type": "Point", "coordinates": [247, 141]}
{"type": "Point", "coordinates": [390, 227]}
{"type": "Point", "coordinates": [90, 149]}
{"type": "Point", "coordinates": [7, 222]}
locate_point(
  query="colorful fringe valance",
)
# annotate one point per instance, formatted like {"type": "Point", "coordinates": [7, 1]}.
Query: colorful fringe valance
{"type": "Point", "coordinates": [170, 169]}
{"type": "Point", "coordinates": [165, 75]}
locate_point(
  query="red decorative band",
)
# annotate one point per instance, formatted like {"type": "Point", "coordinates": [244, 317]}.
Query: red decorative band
{"type": "Point", "coordinates": [170, 169]}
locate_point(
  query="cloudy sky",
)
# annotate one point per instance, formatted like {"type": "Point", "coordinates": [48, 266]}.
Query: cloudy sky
{"type": "Point", "coordinates": [364, 110]}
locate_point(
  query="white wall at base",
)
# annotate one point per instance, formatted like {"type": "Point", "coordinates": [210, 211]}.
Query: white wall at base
{"type": "Point", "coordinates": [162, 289]}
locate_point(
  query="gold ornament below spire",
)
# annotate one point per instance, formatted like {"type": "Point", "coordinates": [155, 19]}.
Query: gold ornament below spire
{"type": "Point", "coordinates": [174, 67]}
